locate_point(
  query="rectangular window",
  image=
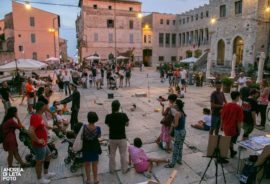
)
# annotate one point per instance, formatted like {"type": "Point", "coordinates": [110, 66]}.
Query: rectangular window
{"type": "Point", "coordinates": [173, 22]}
{"type": "Point", "coordinates": [33, 38]}
{"type": "Point", "coordinates": [109, 7]}
{"type": "Point", "coordinates": [168, 22]}
{"type": "Point", "coordinates": [144, 39]}
{"type": "Point", "coordinates": [34, 56]}
{"type": "Point", "coordinates": [130, 9]}
{"type": "Point", "coordinates": [180, 39]}
{"type": "Point", "coordinates": [161, 39]}
{"type": "Point", "coordinates": [191, 18]}
{"type": "Point", "coordinates": [110, 23]}
{"type": "Point", "coordinates": [173, 40]}
{"type": "Point", "coordinates": [20, 48]}
{"type": "Point", "coordinates": [238, 7]}
{"type": "Point", "coordinates": [201, 15]}
{"type": "Point", "coordinates": [110, 37]}
{"type": "Point", "coordinates": [96, 37]}
{"type": "Point", "coordinates": [180, 21]}
{"type": "Point", "coordinates": [222, 11]}
{"type": "Point", "coordinates": [131, 24]}
{"type": "Point", "coordinates": [32, 21]}
{"type": "Point", "coordinates": [167, 39]}
{"type": "Point", "coordinates": [207, 14]}
{"type": "Point", "coordinates": [197, 16]}
{"type": "Point", "coordinates": [149, 39]}
{"type": "Point", "coordinates": [95, 6]}
{"type": "Point", "coordinates": [187, 19]}
{"type": "Point", "coordinates": [183, 38]}
{"type": "Point", "coordinates": [160, 58]}
{"type": "Point", "coordinates": [161, 21]}
{"type": "Point", "coordinates": [131, 38]}
{"type": "Point", "coordinates": [184, 21]}
{"type": "Point", "coordinates": [173, 58]}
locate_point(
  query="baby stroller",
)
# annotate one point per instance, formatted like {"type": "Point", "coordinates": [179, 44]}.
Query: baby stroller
{"type": "Point", "coordinates": [26, 140]}
{"type": "Point", "coordinates": [73, 158]}
{"type": "Point", "coordinates": [112, 83]}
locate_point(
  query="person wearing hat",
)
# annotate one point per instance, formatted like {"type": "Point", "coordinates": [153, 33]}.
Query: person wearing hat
{"type": "Point", "coordinates": [39, 138]}
{"type": "Point", "coordinates": [75, 98]}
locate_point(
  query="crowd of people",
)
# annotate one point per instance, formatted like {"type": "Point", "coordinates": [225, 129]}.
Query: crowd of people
{"type": "Point", "coordinates": [230, 117]}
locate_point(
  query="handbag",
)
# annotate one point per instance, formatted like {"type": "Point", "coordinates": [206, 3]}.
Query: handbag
{"type": "Point", "coordinates": [78, 143]}
{"type": "Point", "coordinates": [168, 118]}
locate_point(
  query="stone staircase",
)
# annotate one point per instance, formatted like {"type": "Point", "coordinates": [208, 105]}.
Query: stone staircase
{"type": "Point", "coordinates": [202, 62]}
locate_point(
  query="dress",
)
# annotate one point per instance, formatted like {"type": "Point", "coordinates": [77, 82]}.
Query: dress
{"type": "Point", "coordinates": [91, 147]}
{"type": "Point", "coordinates": [10, 141]}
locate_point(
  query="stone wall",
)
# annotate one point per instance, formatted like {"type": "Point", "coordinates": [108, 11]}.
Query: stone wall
{"type": "Point", "coordinates": [6, 57]}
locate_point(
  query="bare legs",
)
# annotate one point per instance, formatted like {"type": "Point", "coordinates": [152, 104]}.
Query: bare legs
{"type": "Point", "coordinates": [88, 171]}
{"type": "Point", "coordinates": [16, 155]}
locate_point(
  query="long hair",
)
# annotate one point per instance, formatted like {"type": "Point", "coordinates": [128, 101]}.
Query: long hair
{"type": "Point", "coordinates": [11, 113]}
{"type": "Point", "coordinates": [180, 105]}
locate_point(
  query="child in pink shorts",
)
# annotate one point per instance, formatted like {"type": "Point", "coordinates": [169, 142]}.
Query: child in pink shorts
{"type": "Point", "coordinates": [141, 162]}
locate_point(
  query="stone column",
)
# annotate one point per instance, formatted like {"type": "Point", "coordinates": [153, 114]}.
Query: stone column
{"type": "Point", "coordinates": [260, 67]}
{"type": "Point", "coordinates": [208, 66]}
{"type": "Point", "coordinates": [233, 66]}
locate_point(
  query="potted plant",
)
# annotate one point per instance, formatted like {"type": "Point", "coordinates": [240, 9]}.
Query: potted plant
{"type": "Point", "coordinates": [227, 84]}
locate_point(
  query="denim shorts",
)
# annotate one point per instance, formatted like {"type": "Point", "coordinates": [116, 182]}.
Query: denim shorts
{"type": "Point", "coordinates": [215, 122]}
{"type": "Point", "coordinates": [41, 153]}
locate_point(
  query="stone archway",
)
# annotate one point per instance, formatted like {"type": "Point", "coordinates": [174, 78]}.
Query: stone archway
{"type": "Point", "coordinates": [238, 47]}
{"type": "Point", "coordinates": [220, 52]}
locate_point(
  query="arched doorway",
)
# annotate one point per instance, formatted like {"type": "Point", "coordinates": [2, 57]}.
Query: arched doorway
{"type": "Point", "coordinates": [238, 46]}
{"type": "Point", "coordinates": [221, 52]}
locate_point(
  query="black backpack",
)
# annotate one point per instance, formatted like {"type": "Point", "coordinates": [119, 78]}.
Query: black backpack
{"type": "Point", "coordinates": [248, 174]}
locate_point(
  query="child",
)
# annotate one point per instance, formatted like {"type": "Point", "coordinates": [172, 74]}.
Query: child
{"type": "Point", "coordinates": [142, 163]}
{"type": "Point", "coordinates": [204, 124]}
{"type": "Point", "coordinates": [53, 107]}
{"type": "Point", "coordinates": [62, 122]}
{"type": "Point", "coordinates": [65, 110]}
{"type": "Point", "coordinates": [182, 93]}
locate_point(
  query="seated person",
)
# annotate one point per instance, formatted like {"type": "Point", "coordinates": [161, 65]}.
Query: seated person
{"type": "Point", "coordinates": [65, 110]}
{"type": "Point", "coordinates": [62, 122]}
{"type": "Point", "coordinates": [204, 124]}
{"type": "Point", "coordinates": [53, 107]}
{"type": "Point", "coordinates": [142, 163]}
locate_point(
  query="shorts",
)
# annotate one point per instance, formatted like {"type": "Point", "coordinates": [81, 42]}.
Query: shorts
{"type": "Point", "coordinates": [142, 167]}
{"type": "Point", "coordinates": [206, 127]}
{"type": "Point", "coordinates": [183, 82]}
{"type": "Point", "coordinates": [30, 101]}
{"type": "Point", "coordinates": [215, 122]}
{"type": "Point", "coordinates": [7, 105]}
{"type": "Point", "coordinates": [41, 153]}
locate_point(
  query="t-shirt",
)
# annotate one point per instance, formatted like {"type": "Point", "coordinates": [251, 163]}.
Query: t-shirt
{"type": "Point", "coordinates": [41, 98]}
{"type": "Point", "coordinates": [137, 155]}
{"type": "Point", "coordinates": [219, 99]}
{"type": "Point", "coordinates": [249, 106]}
{"type": "Point", "coordinates": [117, 125]}
{"type": "Point", "coordinates": [207, 119]}
{"type": "Point", "coordinates": [231, 115]}
{"type": "Point", "coordinates": [39, 126]}
{"type": "Point", "coordinates": [183, 74]}
{"type": "Point", "coordinates": [244, 92]}
{"type": "Point", "coordinates": [242, 81]}
{"type": "Point", "coordinates": [4, 92]}
{"type": "Point", "coordinates": [29, 88]}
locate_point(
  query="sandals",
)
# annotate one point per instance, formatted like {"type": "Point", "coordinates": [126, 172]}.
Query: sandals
{"type": "Point", "coordinates": [170, 165]}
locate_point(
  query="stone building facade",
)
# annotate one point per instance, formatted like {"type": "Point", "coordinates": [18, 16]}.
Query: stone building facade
{"type": "Point", "coordinates": [63, 49]}
{"type": "Point", "coordinates": [109, 28]}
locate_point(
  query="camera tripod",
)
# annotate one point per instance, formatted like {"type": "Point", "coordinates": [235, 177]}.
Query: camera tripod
{"type": "Point", "coordinates": [217, 156]}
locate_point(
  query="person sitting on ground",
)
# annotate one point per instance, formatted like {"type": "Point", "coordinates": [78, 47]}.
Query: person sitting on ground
{"type": "Point", "coordinates": [53, 107]}
{"type": "Point", "coordinates": [181, 93]}
{"type": "Point", "coordinates": [65, 110]}
{"type": "Point", "coordinates": [205, 123]}
{"type": "Point", "coordinates": [142, 163]}
{"type": "Point", "coordinates": [61, 121]}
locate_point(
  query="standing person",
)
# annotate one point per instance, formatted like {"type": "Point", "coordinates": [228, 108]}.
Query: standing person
{"type": "Point", "coordinates": [242, 80]}
{"type": "Point", "coordinates": [245, 91]}
{"type": "Point", "coordinates": [91, 147]}
{"type": "Point", "coordinates": [231, 120]}
{"type": "Point", "coordinates": [217, 102]}
{"type": "Point", "coordinates": [75, 98]}
{"type": "Point", "coordinates": [30, 94]}
{"type": "Point", "coordinates": [9, 126]}
{"type": "Point", "coordinates": [67, 79]}
{"type": "Point", "coordinates": [128, 75]}
{"type": "Point", "coordinates": [5, 96]}
{"type": "Point", "coordinates": [117, 122]}
{"type": "Point", "coordinates": [184, 79]}
{"type": "Point", "coordinates": [39, 137]}
{"type": "Point", "coordinates": [98, 78]}
{"type": "Point", "coordinates": [249, 106]}
{"type": "Point", "coordinates": [263, 103]}
{"type": "Point", "coordinates": [121, 78]}
{"type": "Point", "coordinates": [179, 131]}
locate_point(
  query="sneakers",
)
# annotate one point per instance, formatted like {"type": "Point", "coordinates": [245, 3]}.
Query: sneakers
{"type": "Point", "coordinates": [170, 165]}
{"type": "Point", "coordinates": [43, 181]}
{"type": "Point", "coordinates": [49, 175]}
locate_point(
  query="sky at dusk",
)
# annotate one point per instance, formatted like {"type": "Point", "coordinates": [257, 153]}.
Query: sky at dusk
{"type": "Point", "coordinates": [68, 14]}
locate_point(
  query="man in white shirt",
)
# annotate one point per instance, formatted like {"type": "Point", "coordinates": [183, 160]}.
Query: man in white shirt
{"type": "Point", "coordinates": [183, 74]}
{"type": "Point", "coordinates": [66, 79]}
{"type": "Point", "coordinates": [242, 81]}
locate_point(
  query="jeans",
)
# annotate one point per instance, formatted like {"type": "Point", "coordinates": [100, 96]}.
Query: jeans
{"type": "Point", "coordinates": [179, 137]}
{"type": "Point", "coordinates": [262, 109]}
{"type": "Point", "coordinates": [122, 145]}
{"type": "Point", "coordinates": [67, 87]}
{"type": "Point", "coordinates": [73, 119]}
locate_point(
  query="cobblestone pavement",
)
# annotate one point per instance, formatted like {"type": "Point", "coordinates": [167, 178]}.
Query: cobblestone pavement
{"type": "Point", "coordinates": [144, 123]}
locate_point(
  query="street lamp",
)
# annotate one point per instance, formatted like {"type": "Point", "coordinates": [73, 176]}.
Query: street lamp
{"type": "Point", "coordinates": [139, 15]}
{"type": "Point", "coordinates": [54, 31]}
{"type": "Point", "coordinates": [27, 5]}
{"type": "Point", "coordinates": [267, 9]}
{"type": "Point", "coordinates": [213, 20]}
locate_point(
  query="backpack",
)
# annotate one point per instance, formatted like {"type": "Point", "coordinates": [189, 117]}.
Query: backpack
{"type": "Point", "coordinates": [248, 174]}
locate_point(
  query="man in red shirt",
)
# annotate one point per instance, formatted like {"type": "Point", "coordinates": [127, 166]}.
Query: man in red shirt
{"type": "Point", "coordinates": [39, 137]}
{"type": "Point", "coordinates": [231, 118]}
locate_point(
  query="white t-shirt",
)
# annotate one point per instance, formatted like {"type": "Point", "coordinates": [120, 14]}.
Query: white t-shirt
{"type": "Point", "coordinates": [183, 74]}
{"type": "Point", "coordinates": [242, 81]}
{"type": "Point", "coordinates": [207, 119]}
{"type": "Point", "coordinates": [59, 117]}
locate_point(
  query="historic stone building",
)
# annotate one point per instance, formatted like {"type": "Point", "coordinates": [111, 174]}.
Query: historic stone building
{"type": "Point", "coordinates": [109, 29]}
